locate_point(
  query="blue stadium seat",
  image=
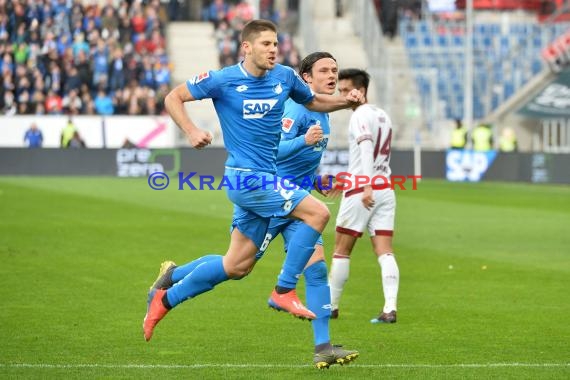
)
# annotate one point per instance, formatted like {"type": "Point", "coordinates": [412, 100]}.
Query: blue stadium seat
{"type": "Point", "coordinates": [503, 62]}
{"type": "Point", "coordinates": [411, 41]}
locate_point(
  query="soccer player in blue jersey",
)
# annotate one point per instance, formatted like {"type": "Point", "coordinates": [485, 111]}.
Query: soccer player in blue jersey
{"type": "Point", "coordinates": [249, 99]}
{"type": "Point", "coordinates": [304, 139]}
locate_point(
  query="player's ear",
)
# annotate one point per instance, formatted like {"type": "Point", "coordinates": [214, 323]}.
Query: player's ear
{"type": "Point", "coordinates": [306, 77]}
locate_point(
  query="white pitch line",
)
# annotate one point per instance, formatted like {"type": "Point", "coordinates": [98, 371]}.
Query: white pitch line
{"type": "Point", "coordinates": [289, 366]}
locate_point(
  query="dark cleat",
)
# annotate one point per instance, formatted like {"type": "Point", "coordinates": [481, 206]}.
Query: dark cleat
{"type": "Point", "coordinates": [385, 318]}
{"type": "Point", "coordinates": [164, 279]}
{"type": "Point", "coordinates": [334, 355]}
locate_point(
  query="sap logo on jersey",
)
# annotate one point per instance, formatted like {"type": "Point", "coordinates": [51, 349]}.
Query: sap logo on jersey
{"type": "Point", "coordinates": [256, 109]}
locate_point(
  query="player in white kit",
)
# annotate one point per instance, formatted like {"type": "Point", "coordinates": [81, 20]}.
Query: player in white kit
{"type": "Point", "coordinates": [366, 207]}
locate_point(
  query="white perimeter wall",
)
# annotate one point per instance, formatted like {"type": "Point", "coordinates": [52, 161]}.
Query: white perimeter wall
{"type": "Point", "coordinates": [144, 131]}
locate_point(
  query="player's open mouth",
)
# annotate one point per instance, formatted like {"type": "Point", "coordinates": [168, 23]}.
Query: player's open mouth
{"type": "Point", "coordinates": [331, 85]}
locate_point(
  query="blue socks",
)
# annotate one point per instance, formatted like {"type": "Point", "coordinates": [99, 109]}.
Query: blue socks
{"type": "Point", "coordinates": [318, 300]}
{"type": "Point", "coordinates": [299, 251]}
{"type": "Point", "coordinates": [202, 278]}
{"type": "Point", "coordinates": [182, 271]}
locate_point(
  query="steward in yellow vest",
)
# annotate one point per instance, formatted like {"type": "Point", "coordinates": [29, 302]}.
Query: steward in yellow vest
{"type": "Point", "coordinates": [458, 136]}
{"type": "Point", "coordinates": [508, 141]}
{"type": "Point", "coordinates": [482, 138]}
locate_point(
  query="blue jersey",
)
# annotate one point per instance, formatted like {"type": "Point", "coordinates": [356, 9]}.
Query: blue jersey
{"type": "Point", "coordinates": [295, 158]}
{"type": "Point", "coordinates": [250, 110]}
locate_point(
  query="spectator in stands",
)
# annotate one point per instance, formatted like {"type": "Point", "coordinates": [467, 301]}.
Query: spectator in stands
{"type": "Point", "coordinates": [9, 101]}
{"type": "Point", "coordinates": [228, 51]}
{"type": "Point", "coordinates": [24, 107]}
{"type": "Point", "coordinates": [101, 64]}
{"type": "Point", "coordinates": [244, 11]}
{"type": "Point", "coordinates": [40, 109]}
{"type": "Point", "coordinates": [104, 103]}
{"type": "Point", "coordinates": [224, 31]}
{"type": "Point", "coordinates": [508, 140]}
{"type": "Point", "coordinates": [389, 17]}
{"type": "Point", "coordinates": [162, 73]}
{"type": "Point", "coordinates": [34, 137]}
{"type": "Point", "coordinates": [50, 47]}
{"type": "Point", "coordinates": [117, 73]}
{"type": "Point", "coordinates": [79, 44]}
{"type": "Point", "coordinates": [458, 136]}
{"type": "Point", "coordinates": [128, 144]}
{"type": "Point", "coordinates": [482, 138]}
{"type": "Point", "coordinates": [230, 26]}
{"type": "Point", "coordinates": [216, 12]}
{"type": "Point", "coordinates": [147, 78]}
{"type": "Point", "coordinates": [73, 80]}
{"type": "Point", "coordinates": [72, 103]}
{"type": "Point", "coordinates": [53, 104]}
{"type": "Point", "coordinates": [67, 133]}
{"type": "Point", "coordinates": [173, 10]}
{"type": "Point", "coordinates": [76, 141]}
{"type": "Point", "coordinates": [83, 68]}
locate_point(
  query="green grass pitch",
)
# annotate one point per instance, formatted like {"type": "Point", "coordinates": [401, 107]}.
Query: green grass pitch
{"type": "Point", "coordinates": [485, 278]}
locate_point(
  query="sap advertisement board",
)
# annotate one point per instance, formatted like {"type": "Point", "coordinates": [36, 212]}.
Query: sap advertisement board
{"type": "Point", "coordinates": [468, 165]}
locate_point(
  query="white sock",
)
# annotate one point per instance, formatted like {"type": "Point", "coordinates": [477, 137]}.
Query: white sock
{"type": "Point", "coordinates": [340, 268]}
{"type": "Point", "coordinates": [390, 281]}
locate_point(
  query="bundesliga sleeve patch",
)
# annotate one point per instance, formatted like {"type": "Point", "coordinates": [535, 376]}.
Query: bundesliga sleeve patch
{"type": "Point", "coordinates": [286, 124]}
{"type": "Point", "coordinates": [199, 78]}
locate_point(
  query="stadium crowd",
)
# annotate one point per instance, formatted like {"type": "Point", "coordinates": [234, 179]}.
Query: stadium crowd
{"type": "Point", "coordinates": [83, 57]}
{"type": "Point", "coordinates": [229, 18]}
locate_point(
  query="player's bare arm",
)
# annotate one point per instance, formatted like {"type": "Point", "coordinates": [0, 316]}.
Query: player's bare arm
{"type": "Point", "coordinates": [174, 103]}
{"type": "Point", "coordinates": [330, 103]}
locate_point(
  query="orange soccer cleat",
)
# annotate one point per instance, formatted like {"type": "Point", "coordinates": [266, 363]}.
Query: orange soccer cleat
{"type": "Point", "coordinates": [155, 312]}
{"type": "Point", "coordinates": [290, 303]}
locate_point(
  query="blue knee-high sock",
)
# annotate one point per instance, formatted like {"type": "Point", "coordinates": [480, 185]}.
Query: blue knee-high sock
{"type": "Point", "coordinates": [318, 295]}
{"type": "Point", "coordinates": [184, 270]}
{"type": "Point", "coordinates": [203, 278]}
{"type": "Point", "coordinates": [299, 252]}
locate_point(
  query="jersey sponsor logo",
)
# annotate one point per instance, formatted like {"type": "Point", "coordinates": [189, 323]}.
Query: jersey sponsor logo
{"type": "Point", "coordinates": [286, 124]}
{"type": "Point", "coordinates": [256, 109]}
{"type": "Point", "coordinates": [199, 78]}
{"type": "Point", "coordinates": [241, 88]}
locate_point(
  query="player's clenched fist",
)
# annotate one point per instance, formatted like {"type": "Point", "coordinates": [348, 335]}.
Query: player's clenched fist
{"type": "Point", "coordinates": [199, 138]}
{"type": "Point", "coordinates": [355, 97]}
{"type": "Point", "coordinates": [314, 134]}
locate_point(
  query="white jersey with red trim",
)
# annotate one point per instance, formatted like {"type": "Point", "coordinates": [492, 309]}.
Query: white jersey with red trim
{"type": "Point", "coordinates": [369, 122]}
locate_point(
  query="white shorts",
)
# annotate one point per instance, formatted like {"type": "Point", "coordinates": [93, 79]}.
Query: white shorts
{"type": "Point", "coordinates": [353, 217]}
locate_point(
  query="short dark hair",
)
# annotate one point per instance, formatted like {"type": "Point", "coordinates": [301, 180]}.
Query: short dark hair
{"type": "Point", "coordinates": [252, 29]}
{"type": "Point", "coordinates": [308, 62]}
{"type": "Point", "coordinates": [360, 78]}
